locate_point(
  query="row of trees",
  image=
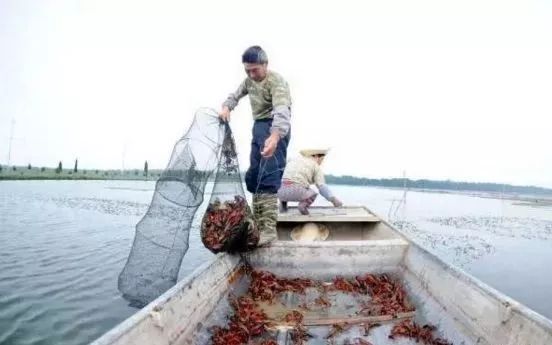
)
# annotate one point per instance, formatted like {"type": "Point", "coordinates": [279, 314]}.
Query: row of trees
{"type": "Point", "coordinates": [59, 168]}
{"type": "Point", "coordinates": [75, 170]}
{"type": "Point", "coordinates": [355, 181]}
{"type": "Point", "coordinates": [14, 168]}
{"type": "Point", "coordinates": [433, 184]}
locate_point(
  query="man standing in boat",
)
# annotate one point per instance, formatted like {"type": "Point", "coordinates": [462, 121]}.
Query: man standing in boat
{"type": "Point", "coordinates": [271, 107]}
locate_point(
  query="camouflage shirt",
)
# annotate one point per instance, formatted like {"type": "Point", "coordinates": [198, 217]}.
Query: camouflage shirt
{"type": "Point", "coordinates": [269, 98]}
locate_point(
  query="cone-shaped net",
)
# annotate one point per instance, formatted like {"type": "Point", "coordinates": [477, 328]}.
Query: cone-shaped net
{"type": "Point", "coordinates": [161, 238]}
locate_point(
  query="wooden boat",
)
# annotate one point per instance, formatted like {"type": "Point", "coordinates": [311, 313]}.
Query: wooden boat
{"type": "Point", "coordinates": [464, 310]}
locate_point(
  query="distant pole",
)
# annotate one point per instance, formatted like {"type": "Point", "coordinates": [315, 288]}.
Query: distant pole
{"type": "Point", "coordinates": [11, 140]}
{"type": "Point", "coordinates": [146, 170]}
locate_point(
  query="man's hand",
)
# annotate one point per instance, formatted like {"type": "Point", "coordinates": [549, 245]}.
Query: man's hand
{"type": "Point", "coordinates": [270, 145]}
{"type": "Point", "coordinates": [336, 202]}
{"type": "Point", "coordinates": [224, 114]}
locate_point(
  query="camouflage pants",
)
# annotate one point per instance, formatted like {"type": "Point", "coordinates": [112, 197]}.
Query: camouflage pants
{"type": "Point", "coordinates": [265, 211]}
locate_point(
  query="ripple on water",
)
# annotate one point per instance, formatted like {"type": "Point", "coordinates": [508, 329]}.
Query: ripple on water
{"type": "Point", "coordinates": [59, 266]}
{"type": "Point", "coordinates": [65, 242]}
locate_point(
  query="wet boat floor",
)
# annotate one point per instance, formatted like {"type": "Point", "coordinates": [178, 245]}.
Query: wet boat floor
{"type": "Point", "coordinates": [343, 310]}
{"type": "Point", "coordinates": [377, 336]}
{"type": "Point", "coordinates": [344, 307]}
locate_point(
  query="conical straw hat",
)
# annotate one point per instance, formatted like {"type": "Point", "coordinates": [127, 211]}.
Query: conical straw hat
{"type": "Point", "coordinates": [310, 152]}
{"type": "Point", "coordinates": [310, 232]}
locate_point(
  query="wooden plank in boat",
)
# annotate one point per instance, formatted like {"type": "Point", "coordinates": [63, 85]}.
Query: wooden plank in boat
{"type": "Point", "coordinates": [350, 320]}
{"type": "Point", "coordinates": [329, 214]}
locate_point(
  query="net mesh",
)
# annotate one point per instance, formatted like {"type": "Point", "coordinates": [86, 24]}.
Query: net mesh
{"type": "Point", "coordinates": [162, 235]}
{"type": "Point", "coordinates": [228, 222]}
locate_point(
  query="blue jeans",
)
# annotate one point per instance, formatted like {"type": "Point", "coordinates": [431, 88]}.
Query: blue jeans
{"type": "Point", "coordinates": [265, 174]}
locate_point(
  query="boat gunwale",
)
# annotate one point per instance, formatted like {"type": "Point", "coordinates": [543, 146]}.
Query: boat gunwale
{"type": "Point", "coordinates": [466, 277]}
{"type": "Point", "coordinates": [130, 323]}
{"type": "Point", "coordinates": [404, 240]}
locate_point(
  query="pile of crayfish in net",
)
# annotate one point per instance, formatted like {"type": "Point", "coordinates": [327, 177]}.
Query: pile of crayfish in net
{"type": "Point", "coordinates": [228, 226]}
{"type": "Point", "coordinates": [249, 323]}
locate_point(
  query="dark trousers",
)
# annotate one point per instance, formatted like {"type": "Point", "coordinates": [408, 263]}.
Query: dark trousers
{"type": "Point", "coordinates": [265, 174]}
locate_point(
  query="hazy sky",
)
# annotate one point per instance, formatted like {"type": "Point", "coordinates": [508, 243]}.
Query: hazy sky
{"type": "Point", "coordinates": [457, 90]}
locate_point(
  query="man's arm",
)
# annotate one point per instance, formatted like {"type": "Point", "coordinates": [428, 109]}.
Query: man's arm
{"type": "Point", "coordinates": [281, 108]}
{"type": "Point", "coordinates": [281, 116]}
{"type": "Point", "coordinates": [324, 189]}
{"type": "Point", "coordinates": [232, 101]}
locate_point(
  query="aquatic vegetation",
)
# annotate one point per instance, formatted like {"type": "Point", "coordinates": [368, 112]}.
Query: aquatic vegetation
{"type": "Point", "coordinates": [458, 248]}
{"type": "Point", "coordinates": [513, 227]}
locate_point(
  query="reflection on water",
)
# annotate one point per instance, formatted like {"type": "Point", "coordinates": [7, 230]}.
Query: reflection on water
{"type": "Point", "coordinates": [65, 242]}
